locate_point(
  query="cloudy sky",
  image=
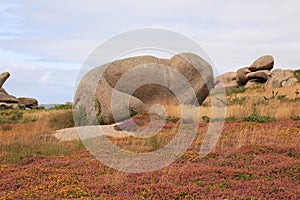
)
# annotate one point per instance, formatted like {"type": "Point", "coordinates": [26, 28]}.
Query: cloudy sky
{"type": "Point", "coordinates": [44, 44]}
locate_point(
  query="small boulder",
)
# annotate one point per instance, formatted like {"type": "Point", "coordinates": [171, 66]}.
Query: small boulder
{"type": "Point", "coordinates": [28, 102]}
{"type": "Point", "coordinates": [228, 79]}
{"type": "Point", "coordinates": [263, 75]}
{"type": "Point", "coordinates": [5, 105]}
{"type": "Point", "coordinates": [262, 63]}
{"type": "Point", "coordinates": [37, 107]}
{"type": "Point", "coordinates": [253, 83]}
{"type": "Point", "coordinates": [290, 82]}
{"type": "Point", "coordinates": [241, 75]}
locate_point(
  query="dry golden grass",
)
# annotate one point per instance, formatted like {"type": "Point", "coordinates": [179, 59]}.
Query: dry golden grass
{"type": "Point", "coordinates": [18, 141]}
{"type": "Point", "coordinates": [24, 133]}
{"type": "Point", "coordinates": [255, 99]}
{"type": "Point", "coordinates": [38, 132]}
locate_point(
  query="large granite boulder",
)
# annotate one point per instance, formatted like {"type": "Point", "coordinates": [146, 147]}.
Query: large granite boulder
{"type": "Point", "coordinates": [135, 84]}
{"type": "Point", "coordinates": [262, 63]}
{"type": "Point", "coordinates": [280, 78]}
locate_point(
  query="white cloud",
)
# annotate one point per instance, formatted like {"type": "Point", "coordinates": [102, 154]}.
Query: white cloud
{"type": "Point", "coordinates": [44, 84]}
{"type": "Point", "coordinates": [233, 33]}
{"type": "Point", "coordinates": [45, 78]}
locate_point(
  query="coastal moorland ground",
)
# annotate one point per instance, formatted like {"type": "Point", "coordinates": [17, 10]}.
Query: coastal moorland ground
{"type": "Point", "coordinates": [256, 157]}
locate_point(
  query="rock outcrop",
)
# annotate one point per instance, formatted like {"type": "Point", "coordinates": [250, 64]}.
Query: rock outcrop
{"type": "Point", "coordinates": [262, 63]}
{"type": "Point", "coordinates": [8, 101]}
{"type": "Point", "coordinates": [229, 80]}
{"type": "Point", "coordinates": [135, 84]}
{"type": "Point", "coordinates": [3, 77]}
{"type": "Point", "coordinates": [281, 78]}
{"type": "Point", "coordinates": [261, 75]}
{"type": "Point", "coordinates": [259, 72]}
{"type": "Point", "coordinates": [241, 75]}
{"type": "Point", "coordinates": [28, 102]}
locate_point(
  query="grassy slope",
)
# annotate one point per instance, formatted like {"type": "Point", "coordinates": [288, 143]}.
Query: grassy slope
{"type": "Point", "coordinates": [250, 161]}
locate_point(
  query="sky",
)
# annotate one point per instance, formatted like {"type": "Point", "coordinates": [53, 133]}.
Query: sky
{"type": "Point", "coordinates": [43, 44]}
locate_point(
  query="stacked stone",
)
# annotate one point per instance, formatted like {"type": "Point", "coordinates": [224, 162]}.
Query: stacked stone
{"type": "Point", "coordinates": [259, 72]}
{"type": "Point", "coordinates": [8, 101]}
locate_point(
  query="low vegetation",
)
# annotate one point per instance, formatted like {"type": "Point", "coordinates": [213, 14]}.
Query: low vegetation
{"type": "Point", "coordinates": [295, 117]}
{"type": "Point", "coordinates": [14, 117]}
{"type": "Point", "coordinates": [255, 117]}
{"type": "Point", "coordinates": [297, 74]}
{"type": "Point", "coordinates": [240, 89]}
{"type": "Point", "coordinates": [62, 107]}
{"type": "Point", "coordinates": [25, 134]}
{"type": "Point", "coordinates": [61, 120]}
{"type": "Point", "coordinates": [256, 157]}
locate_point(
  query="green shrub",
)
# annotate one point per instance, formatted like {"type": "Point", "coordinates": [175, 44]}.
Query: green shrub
{"type": "Point", "coordinates": [295, 99]}
{"type": "Point", "coordinates": [206, 119]}
{"type": "Point", "coordinates": [14, 117]}
{"type": "Point", "coordinates": [230, 119]}
{"type": "Point", "coordinates": [133, 112]}
{"type": "Point", "coordinates": [255, 117]}
{"type": "Point", "coordinates": [240, 89]}
{"type": "Point", "coordinates": [62, 107]}
{"type": "Point", "coordinates": [295, 117]}
{"type": "Point", "coordinates": [274, 95]}
{"type": "Point", "coordinates": [281, 97]}
{"type": "Point", "coordinates": [237, 100]}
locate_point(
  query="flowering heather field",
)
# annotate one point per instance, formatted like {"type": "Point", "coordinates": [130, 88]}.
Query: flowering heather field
{"type": "Point", "coordinates": [250, 161]}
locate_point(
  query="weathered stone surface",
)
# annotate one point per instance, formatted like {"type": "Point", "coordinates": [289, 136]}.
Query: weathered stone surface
{"type": "Point", "coordinates": [37, 107]}
{"type": "Point", "coordinates": [290, 82]}
{"type": "Point", "coordinates": [263, 63]}
{"type": "Point", "coordinates": [253, 83]}
{"type": "Point", "coordinates": [3, 77]}
{"type": "Point", "coordinates": [228, 79]}
{"type": "Point", "coordinates": [5, 105]}
{"type": "Point", "coordinates": [28, 102]}
{"type": "Point", "coordinates": [8, 101]}
{"type": "Point", "coordinates": [146, 81]}
{"type": "Point", "coordinates": [262, 75]}
{"type": "Point", "coordinates": [3, 91]}
{"type": "Point", "coordinates": [241, 75]}
{"type": "Point", "coordinates": [279, 78]}
{"type": "Point", "coordinates": [5, 98]}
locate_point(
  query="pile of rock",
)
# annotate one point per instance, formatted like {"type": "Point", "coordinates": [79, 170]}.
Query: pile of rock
{"type": "Point", "coordinates": [8, 101]}
{"type": "Point", "coordinates": [258, 72]}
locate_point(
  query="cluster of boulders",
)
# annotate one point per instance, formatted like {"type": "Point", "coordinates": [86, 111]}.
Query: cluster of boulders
{"type": "Point", "coordinates": [257, 73]}
{"type": "Point", "coordinates": [8, 101]}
